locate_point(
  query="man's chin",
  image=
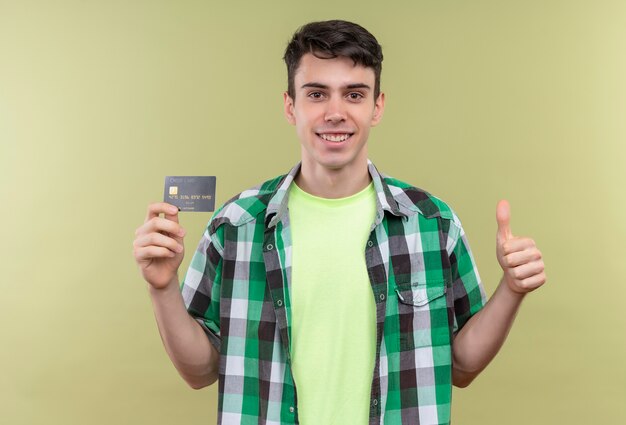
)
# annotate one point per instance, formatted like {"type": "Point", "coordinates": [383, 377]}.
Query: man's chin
{"type": "Point", "coordinates": [338, 164]}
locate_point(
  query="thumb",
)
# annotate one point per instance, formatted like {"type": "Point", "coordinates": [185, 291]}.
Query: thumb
{"type": "Point", "coordinates": [173, 216]}
{"type": "Point", "coordinates": [503, 216]}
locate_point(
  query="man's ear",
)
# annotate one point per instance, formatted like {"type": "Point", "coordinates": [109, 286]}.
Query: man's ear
{"type": "Point", "coordinates": [289, 109]}
{"type": "Point", "coordinates": [379, 109]}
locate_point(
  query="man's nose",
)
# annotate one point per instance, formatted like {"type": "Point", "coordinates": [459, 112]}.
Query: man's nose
{"type": "Point", "coordinates": [335, 111]}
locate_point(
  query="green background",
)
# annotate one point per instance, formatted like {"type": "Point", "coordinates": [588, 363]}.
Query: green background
{"type": "Point", "coordinates": [485, 100]}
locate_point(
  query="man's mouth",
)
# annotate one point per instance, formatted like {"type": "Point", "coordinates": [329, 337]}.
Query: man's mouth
{"type": "Point", "coordinates": [335, 137]}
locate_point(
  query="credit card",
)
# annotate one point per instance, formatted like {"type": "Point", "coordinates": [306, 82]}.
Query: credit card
{"type": "Point", "coordinates": [190, 193]}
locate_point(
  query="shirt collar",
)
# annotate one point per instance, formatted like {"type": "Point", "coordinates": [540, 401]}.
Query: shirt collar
{"type": "Point", "coordinates": [385, 201]}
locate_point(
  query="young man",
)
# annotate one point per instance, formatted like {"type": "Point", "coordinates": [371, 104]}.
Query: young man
{"type": "Point", "coordinates": [332, 294]}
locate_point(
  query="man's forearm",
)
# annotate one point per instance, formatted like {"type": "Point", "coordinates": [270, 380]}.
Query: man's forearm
{"type": "Point", "coordinates": [193, 355]}
{"type": "Point", "coordinates": [483, 335]}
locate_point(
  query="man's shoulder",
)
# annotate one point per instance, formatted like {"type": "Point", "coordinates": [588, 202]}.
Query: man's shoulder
{"type": "Point", "coordinates": [415, 199]}
{"type": "Point", "coordinates": [246, 205]}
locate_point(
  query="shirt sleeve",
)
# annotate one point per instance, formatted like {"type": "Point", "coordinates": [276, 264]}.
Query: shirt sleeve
{"type": "Point", "coordinates": [469, 294]}
{"type": "Point", "coordinates": [201, 286]}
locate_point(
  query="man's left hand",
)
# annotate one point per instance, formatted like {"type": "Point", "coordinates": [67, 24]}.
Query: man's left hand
{"type": "Point", "coordinates": [519, 257]}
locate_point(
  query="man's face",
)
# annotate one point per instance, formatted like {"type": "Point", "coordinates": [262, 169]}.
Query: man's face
{"type": "Point", "coordinates": [333, 111]}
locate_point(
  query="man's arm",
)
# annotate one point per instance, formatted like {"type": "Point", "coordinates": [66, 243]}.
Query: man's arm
{"type": "Point", "coordinates": [195, 358]}
{"type": "Point", "coordinates": [158, 251]}
{"type": "Point", "coordinates": [477, 343]}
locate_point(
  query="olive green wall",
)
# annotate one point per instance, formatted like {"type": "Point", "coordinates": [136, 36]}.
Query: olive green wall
{"type": "Point", "coordinates": [485, 100]}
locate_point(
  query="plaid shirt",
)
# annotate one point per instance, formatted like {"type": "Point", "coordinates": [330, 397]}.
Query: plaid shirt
{"type": "Point", "coordinates": [422, 274]}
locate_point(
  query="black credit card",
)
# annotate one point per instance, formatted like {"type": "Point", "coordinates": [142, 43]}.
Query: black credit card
{"type": "Point", "coordinates": [190, 193]}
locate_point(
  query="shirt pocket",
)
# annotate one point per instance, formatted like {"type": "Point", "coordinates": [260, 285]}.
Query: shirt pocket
{"type": "Point", "coordinates": [422, 314]}
{"type": "Point", "coordinates": [419, 294]}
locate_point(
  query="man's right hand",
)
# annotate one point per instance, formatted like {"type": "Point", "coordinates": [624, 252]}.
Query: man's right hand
{"type": "Point", "coordinates": [158, 245]}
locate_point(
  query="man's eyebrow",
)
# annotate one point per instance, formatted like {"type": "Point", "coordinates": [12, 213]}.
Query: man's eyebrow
{"type": "Point", "coordinates": [358, 86]}
{"type": "Point", "coordinates": [314, 85]}
{"type": "Point", "coordinates": [324, 86]}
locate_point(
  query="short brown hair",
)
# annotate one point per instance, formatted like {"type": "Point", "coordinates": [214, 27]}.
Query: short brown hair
{"type": "Point", "coordinates": [331, 39]}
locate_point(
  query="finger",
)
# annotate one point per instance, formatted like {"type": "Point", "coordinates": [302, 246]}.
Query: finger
{"type": "Point", "coordinates": [161, 225]}
{"type": "Point", "coordinates": [517, 244]}
{"type": "Point", "coordinates": [172, 215]}
{"type": "Point", "coordinates": [527, 270]}
{"type": "Point", "coordinates": [503, 217]}
{"type": "Point", "coordinates": [160, 240]}
{"type": "Point", "coordinates": [151, 252]}
{"type": "Point", "coordinates": [533, 282]}
{"type": "Point", "coordinates": [161, 208]}
{"type": "Point", "coordinates": [522, 257]}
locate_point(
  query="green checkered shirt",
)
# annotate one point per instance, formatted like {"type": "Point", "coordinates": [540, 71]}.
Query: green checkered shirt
{"type": "Point", "coordinates": [422, 275]}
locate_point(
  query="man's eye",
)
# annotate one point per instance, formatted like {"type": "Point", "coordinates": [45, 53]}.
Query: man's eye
{"type": "Point", "coordinates": [315, 95]}
{"type": "Point", "coordinates": [355, 96]}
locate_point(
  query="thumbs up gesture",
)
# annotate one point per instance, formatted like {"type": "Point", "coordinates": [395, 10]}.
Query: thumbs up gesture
{"type": "Point", "coordinates": [519, 257]}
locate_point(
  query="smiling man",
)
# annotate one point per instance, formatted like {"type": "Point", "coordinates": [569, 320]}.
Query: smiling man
{"type": "Point", "coordinates": [332, 294]}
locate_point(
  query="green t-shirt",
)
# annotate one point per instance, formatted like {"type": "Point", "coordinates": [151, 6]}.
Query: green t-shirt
{"type": "Point", "coordinates": [333, 309]}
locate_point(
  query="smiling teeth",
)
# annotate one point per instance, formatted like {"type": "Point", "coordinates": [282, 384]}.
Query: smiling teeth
{"type": "Point", "coordinates": [330, 138]}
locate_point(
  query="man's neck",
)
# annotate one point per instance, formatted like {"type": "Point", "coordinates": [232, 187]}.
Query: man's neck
{"type": "Point", "coordinates": [333, 183]}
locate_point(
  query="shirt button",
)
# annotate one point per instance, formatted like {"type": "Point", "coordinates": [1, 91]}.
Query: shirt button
{"type": "Point", "coordinates": [291, 409]}
{"type": "Point", "coordinates": [279, 303]}
{"type": "Point", "coordinates": [382, 297]}
{"type": "Point", "coordinates": [269, 247]}
{"type": "Point", "coordinates": [375, 402]}
{"type": "Point", "coordinates": [370, 244]}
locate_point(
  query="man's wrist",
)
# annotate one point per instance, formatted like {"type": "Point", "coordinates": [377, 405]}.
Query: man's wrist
{"type": "Point", "coordinates": [507, 286]}
{"type": "Point", "coordinates": [172, 286]}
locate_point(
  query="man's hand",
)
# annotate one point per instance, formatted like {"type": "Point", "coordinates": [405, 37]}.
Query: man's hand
{"type": "Point", "coordinates": [519, 257]}
{"type": "Point", "coordinates": [158, 245]}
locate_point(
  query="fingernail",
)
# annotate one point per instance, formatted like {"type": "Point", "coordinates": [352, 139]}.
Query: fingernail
{"type": "Point", "coordinates": [174, 210]}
